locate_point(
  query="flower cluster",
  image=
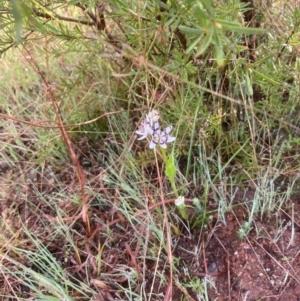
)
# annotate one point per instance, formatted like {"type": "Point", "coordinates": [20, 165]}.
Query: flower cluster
{"type": "Point", "coordinates": [150, 126]}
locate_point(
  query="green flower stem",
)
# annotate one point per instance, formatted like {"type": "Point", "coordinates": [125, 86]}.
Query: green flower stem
{"type": "Point", "coordinates": [164, 154]}
{"type": "Point", "coordinates": [173, 185]}
{"type": "Point", "coordinates": [170, 177]}
{"type": "Point", "coordinates": [170, 172]}
{"type": "Point", "coordinates": [183, 211]}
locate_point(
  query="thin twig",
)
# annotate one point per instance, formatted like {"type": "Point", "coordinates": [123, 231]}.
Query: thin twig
{"type": "Point", "coordinates": [77, 165]}
{"type": "Point", "coordinates": [61, 18]}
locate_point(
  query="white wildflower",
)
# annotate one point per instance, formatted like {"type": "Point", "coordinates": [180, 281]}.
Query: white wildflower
{"type": "Point", "coordinates": [150, 126]}
{"type": "Point", "coordinates": [152, 116]}
{"type": "Point", "coordinates": [144, 130]}
{"type": "Point", "coordinates": [179, 201]}
{"type": "Point", "coordinates": [161, 137]}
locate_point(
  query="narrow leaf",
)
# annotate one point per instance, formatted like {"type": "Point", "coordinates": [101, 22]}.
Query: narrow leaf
{"type": "Point", "coordinates": [192, 46]}
{"type": "Point", "coordinates": [18, 16]}
{"type": "Point", "coordinates": [170, 167]}
{"type": "Point", "coordinates": [189, 30]}
{"type": "Point", "coordinates": [248, 30]}
{"type": "Point", "coordinates": [236, 27]}
{"type": "Point", "coordinates": [201, 15]}
{"type": "Point", "coordinates": [205, 43]}
{"type": "Point", "coordinates": [162, 4]}
{"type": "Point", "coordinates": [208, 5]}
{"type": "Point", "coordinates": [219, 53]}
{"type": "Point", "coordinates": [227, 23]}
{"type": "Point", "coordinates": [266, 78]}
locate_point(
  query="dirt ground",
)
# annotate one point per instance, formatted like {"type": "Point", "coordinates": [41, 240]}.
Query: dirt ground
{"type": "Point", "coordinates": [263, 266]}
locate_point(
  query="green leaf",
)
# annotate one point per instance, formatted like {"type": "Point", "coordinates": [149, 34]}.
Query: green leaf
{"type": "Point", "coordinates": [208, 5]}
{"type": "Point", "coordinates": [163, 5]}
{"type": "Point", "coordinates": [266, 78]}
{"type": "Point", "coordinates": [236, 27]}
{"type": "Point", "coordinates": [189, 30]}
{"type": "Point", "coordinates": [18, 16]}
{"type": "Point", "coordinates": [201, 15]}
{"type": "Point", "coordinates": [190, 68]}
{"type": "Point", "coordinates": [192, 46]}
{"type": "Point", "coordinates": [170, 21]}
{"type": "Point", "coordinates": [170, 170]}
{"type": "Point", "coordinates": [219, 53]}
{"type": "Point", "coordinates": [228, 24]}
{"type": "Point", "coordinates": [247, 30]}
{"type": "Point", "coordinates": [205, 43]}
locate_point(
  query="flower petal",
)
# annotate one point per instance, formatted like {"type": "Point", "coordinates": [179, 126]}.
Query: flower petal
{"type": "Point", "coordinates": [141, 138]}
{"type": "Point", "coordinates": [179, 201]}
{"type": "Point", "coordinates": [168, 129]}
{"type": "Point", "coordinates": [152, 116]}
{"type": "Point", "coordinates": [170, 139]}
{"type": "Point", "coordinates": [156, 127]}
{"type": "Point", "coordinates": [152, 144]}
{"type": "Point", "coordinates": [139, 132]}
